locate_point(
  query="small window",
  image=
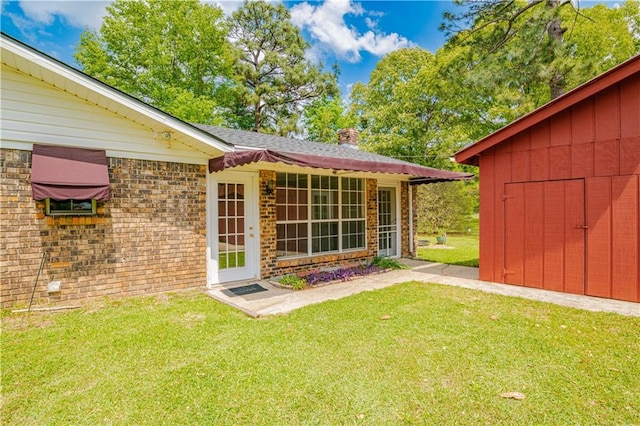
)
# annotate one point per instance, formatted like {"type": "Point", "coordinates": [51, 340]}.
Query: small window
{"type": "Point", "coordinates": [69, 207]}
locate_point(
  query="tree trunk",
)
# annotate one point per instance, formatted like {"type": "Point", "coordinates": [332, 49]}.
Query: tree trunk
{"type": "Point", "coordinates": [555, 33]}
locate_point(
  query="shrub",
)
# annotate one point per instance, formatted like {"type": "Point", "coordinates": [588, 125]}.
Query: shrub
{"type": "Point", "coordinates": [388, 263]}
{"type": "Point", "coordinates": [293, 281]}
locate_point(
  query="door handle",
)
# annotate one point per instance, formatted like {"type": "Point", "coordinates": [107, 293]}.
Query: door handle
{"type": "Point", "coordinates": [581, 227]}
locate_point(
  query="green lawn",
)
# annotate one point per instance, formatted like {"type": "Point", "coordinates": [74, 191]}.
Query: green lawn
{"type": "Point", "coordinates": [462, 247]}
{"type": "Point", "coordinates": [443, 356]}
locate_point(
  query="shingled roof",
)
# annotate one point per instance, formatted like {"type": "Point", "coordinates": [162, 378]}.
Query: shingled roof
{"type": "Point", "coordinates": [253, 147]}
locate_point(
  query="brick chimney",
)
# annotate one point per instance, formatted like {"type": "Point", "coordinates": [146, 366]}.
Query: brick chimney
{"type": "Point", "coordinates": [348, 137]}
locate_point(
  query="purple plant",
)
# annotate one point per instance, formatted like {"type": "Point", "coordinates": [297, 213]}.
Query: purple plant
{"type": "Point", "coordinates": [344, 274]}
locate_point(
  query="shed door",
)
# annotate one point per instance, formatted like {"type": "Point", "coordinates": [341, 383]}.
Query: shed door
{"type": "Point", "coordinates": [545, 235]}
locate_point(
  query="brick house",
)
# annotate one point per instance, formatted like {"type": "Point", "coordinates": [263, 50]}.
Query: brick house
{"type": "Point", "coordinates": [112, 197]}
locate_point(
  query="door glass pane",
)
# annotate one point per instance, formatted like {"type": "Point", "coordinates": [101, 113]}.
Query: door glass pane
{"type": "Point", "coordinates": [387, 227]}
{"type": "Point", "coordinates": [231, 221]}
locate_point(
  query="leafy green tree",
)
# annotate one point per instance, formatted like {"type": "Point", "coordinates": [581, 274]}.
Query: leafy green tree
{"type": "Point", "coordinates": [602, 38]}
{"type": "Point", "coordinates": [401, 111]}
{"type": "Point", "coordinates": [534, 50]}
{"type": "Point", "coordinates": [273, 79]}
{"type": "Point", "coordinates": [446, 207]}
{"type": "Point", "coordinates": [523, 35]}
{"type": "Point", "coordinates": [503, 65]}
{"type": "Point", "coordinates": [324, 117]}
{"type": "Point", "coordinates": [172, 55]}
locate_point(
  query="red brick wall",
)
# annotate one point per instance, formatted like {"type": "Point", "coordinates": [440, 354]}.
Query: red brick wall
{"type": "Point", "coordinates": [409, 244]}
{"type": "Point", "coordinates": [149, 238]}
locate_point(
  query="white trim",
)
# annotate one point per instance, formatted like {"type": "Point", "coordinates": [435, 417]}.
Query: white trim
{"type": "Point", "coordinates": [201, 160]}
{"type": "Point", "coordinates": [252, 220]}
{"type": "Point", "coordinates": [397, 187]}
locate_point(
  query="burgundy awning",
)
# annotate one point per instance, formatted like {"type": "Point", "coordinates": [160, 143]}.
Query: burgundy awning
{"type": "Point", "coordinates": [424, 174]}
{"type": "Point", "coordinates": [64, 173]}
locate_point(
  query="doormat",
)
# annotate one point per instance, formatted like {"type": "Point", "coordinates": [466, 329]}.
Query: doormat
{"type": "Point", "coordinates": [246, 289]}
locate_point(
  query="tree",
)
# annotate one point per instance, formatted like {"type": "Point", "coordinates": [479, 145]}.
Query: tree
{"type": "Point", "coordinates": [503, 64]}
{"type": "Point", "coordinates": [401, 110]}
{"type": "Point", "coordinates": [446, 207]}
{"type": "Point", "coordinates": [324, 117]}
{"type": "Point", "coordinates": [404, 113]}
{"type": "Point", "coordinates": [527, 35]}
{"type": "Point", "coordinates": [273, 79]}
{"type": "Point", "coordinates": [172, 55]}
{"type": "Point", "coordinates": [526, 46]}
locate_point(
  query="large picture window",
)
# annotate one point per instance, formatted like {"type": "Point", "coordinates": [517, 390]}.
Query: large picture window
{"type": "Point", "coordinates": [318, 214]}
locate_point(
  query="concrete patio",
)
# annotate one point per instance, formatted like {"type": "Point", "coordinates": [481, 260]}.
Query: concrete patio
{"type": "Point", "coordinates": [280, 301]}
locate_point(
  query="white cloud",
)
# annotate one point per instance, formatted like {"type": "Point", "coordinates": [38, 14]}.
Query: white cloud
{"type": "Point", "coordinates": [371, 23]}
{"type": "Point", "coordinates": [230, 6]}
{"type": "Point", "coordinates": [78, 13]}
{"type": "Point", "coordinates": [326, 24]}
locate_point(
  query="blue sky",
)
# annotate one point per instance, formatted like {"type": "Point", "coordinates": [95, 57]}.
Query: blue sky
{"type": "Point", "coordinates": [356, 35]}
{"type": "Point", "coordinates": [353, 34]}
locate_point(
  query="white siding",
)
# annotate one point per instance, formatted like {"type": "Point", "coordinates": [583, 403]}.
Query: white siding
{"type": "Point", "coordinates": [36, 112]}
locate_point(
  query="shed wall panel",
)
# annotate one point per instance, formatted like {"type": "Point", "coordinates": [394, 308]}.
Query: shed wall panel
{"type": "Point", "coordinates": [630, 156]}
{"type": "Point", "coordinates": [540, 137]}
{"type": "Point", "coordinates": [502, 175]}
{"type": "Point", "coordinates": [624, 220]}
{"type": "Point", "coordinates": [534, 222]}
{"type": "Point", "coordinates": [521, 161]}
{"type": "Point", "coordinates": [599, 237]}
{"type": "Point", "coordinates": [515, 237]}
{"type": "Point", "coordinates": [582, 162]}
{"type": "Point", "coordinates": [560, 132]}
{"type": "Point", "coordinates": [574, 236]}
{"type": "Point", "coordinates": [607, 115]}
{"type": "Point", "coordinates": [607, 158]}
{"type": "Point", "coordinates": [487, 218]}
{"type": "Point", "coordinates": [630, 111]}
{"type": "Point", "coordinates": [589, 230]}
{"type": "Point", "coordinates": [554, 235]}
{"type": "Point", "coordinates": [582, 122]}
{"type": "Point", "coordinates": [560, 162]}
{"type": "Point", "coordinates": [521, 141]}
{"type": "Point", "coordinates": [540, 164]}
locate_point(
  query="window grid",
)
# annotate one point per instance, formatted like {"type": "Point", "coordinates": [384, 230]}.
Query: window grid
{"type": "Point", "coordinates": [353, 223]}
{"type": "Point", "coordinates": [231, 226]}
{"type": "Point", "coordinates": [318, 214]}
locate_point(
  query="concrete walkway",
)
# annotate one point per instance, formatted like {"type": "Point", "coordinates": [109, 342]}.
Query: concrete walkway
{"type": "Point", "coordinates": [279, 301]}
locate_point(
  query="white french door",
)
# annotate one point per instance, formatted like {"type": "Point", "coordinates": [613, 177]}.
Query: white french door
{"type": "Point", "coordinates": [235, 228]}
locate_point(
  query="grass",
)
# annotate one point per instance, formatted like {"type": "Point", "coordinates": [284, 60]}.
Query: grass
{"type": "Point", "coordinates": [462, 248]}
{"type": "Point", "coordinates": [413, 353]}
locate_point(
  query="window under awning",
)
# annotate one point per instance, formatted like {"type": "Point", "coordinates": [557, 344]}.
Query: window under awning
{"type": "Point", "coordinates": [64, 173]}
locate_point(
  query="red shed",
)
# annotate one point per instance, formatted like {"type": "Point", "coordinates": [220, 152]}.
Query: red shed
{"type": "Point", "coordinates": [560, 192]}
